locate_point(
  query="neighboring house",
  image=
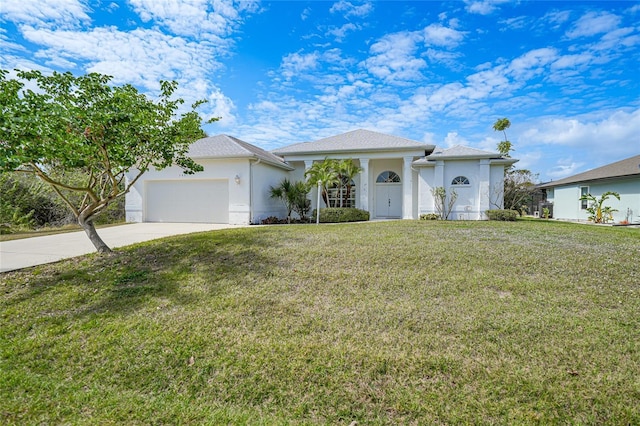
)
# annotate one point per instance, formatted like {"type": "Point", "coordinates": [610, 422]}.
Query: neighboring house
{"type": "Point", "coordinates": [396, 180]}
{"type": "Point", "coordinates": [622, 177]}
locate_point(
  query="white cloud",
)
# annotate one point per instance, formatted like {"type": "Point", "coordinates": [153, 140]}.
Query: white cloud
{"type": "Point", "coordinates": [611, 133]}
{"type": "Point", "coordinates": [195, 17]}
{"type": "Point", "coordinates": [517, 23]}
{"type": "Point", "coordinates": [220, 106]}
{"type": "Point", "coordinates": [483, 7]}
{"type": "Point", "coordinates": [441, 36]}
{"type": "Point", "coordinates": [618, 39]}
{"type": "Point", "coordinates": [394, 58]}
{"type": "Point", "coordinates": [45, 13]}
{"type": "Point", "coordinates": [305, 14]}
{"type": "Point", "coordinates": [349, 9]}
{"type": "Point", "coordinates": [341, 32]}
{"type": "Point", "coordinates": [532, 63]}
{"type": "Point", "coordinates": [140, 57]}
{"type": "Point", "coordinates": [593, 23]}
{"type": "Point", "coordinates": [564, 167]}
{"type": "Point", "coordinates": [554, 19]}
{"type": "Point", "coordinates": [295, 64]}
{"type": "Point", "coordinates": [453, 138]}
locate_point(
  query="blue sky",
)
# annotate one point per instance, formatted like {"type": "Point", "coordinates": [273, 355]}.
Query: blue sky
{"type": "Point", "coordinates": [566, 73]}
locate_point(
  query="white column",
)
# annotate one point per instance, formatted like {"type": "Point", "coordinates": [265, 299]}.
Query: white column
{"type": "Point", "coordinates": [438, 177]}
{"type": "Point", "coordinates": [307, 166]}
{"type": "Point", "coordinates": [407, 189]}
{"type": "Point", "coordinates": [438, 180]}
{"type": "Point", "coordinates": [364, 184]}
{"type": "Point", "coordinates": [484, 188]}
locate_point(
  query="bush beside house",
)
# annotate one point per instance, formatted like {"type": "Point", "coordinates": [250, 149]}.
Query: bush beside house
{"type": "Point", "coordinates": [504, 215]}
{"type": "Point", "coordinates": [342, 214]}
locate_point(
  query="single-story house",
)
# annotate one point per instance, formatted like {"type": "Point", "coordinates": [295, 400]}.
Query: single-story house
{"type": "Point", "coordinates": [396, 180]}
{"type": "Point", "coordinates": [622, 177]}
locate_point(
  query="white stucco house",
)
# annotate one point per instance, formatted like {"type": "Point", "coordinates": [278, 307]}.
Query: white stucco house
{"type": "Point", "coordinates": [622, 177]}
{"type": "Point", "coordinates": [396, 180]}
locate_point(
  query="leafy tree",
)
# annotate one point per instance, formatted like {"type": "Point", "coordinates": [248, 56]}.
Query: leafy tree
{"type": "Point", "coordinates": [325, 172]}
{"type": "Point", "coordinates": [519, 187]}
{"type": "Point", "coordinates": [293, 196]}
{"type": "Point", "coordinates": [504, 147]}
{"type": "Point", "coordinates": [598, 213]}
{"type": "Point", "coordinates": [52, 126]}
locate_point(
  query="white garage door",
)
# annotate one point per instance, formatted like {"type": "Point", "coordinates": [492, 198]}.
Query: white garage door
{"type": "Point", "coordinates": [197, 201]}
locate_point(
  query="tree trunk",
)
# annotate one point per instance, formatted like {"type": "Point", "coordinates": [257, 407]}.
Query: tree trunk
{"type": "Point", "coordinates": [91, 232]}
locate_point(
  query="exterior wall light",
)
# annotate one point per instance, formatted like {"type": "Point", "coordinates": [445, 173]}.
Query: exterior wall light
{"type": "Point", "coordinates": [237, 179]}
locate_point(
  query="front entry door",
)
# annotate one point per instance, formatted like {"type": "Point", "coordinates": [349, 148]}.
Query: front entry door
{"type": "Point", "coordinates": [388, 200]}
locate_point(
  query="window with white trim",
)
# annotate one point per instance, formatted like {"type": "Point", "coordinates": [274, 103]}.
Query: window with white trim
{"type": "Point", "coordinates": [388, 177]}
{"type": "Point", "coordinates": [342, 195]}
{"type": "Point", "coordinates": [584, 190]}
{"type": "Point", "coordinates": [460, 180]}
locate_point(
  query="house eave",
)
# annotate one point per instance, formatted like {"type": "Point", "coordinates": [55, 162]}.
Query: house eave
{"type": "Point", "coordinates": [430, 162]}
{"type": "Point", "coordinates": [420, 148]}
{"type": "Point", "coordinates": [249, 157]}
{"type": "Point", "coordinates": [556, 184]}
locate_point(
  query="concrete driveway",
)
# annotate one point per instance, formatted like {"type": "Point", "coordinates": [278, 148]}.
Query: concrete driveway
{"type": "Point", "coordinates": [18, 254]}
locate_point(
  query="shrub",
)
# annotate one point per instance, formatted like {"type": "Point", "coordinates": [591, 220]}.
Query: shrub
{"type": "Point", "coordinates": [429, 216]}
{"type": "Point", "coordinates": [272, 220]}
{"type": "Point", "coordinates": [342, 214]}
{"type": "Point", "coordinates": [506, 215]}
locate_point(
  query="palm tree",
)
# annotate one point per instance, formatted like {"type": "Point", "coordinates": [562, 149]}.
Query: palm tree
{"type": "Point", "coordinates": [301, 204]}
{"type": "Point", "coordinates": [347, 171]}
{"type": "Point", "coordinates": [325, 172]}
{"type": "Point", "coordinates": [598, 213]}
{"type": "Point", "coordinates": [501, 125]}
{"type": "Point", "coordinates": [284, 192]}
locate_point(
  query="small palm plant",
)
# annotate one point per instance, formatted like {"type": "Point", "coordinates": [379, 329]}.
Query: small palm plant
{"type": "Point", "coordinates": [293, 196]}
{"type": "Point", "coordinates": [598, 213]}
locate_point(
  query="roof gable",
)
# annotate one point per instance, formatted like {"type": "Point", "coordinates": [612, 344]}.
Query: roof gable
{"type": "Point", "coordinates": [460, 152]}
{"type": "Point", "coordinates": [356, 140]}
{"type": "Point", "coordinates": [627, 167]}
{"type": "Point", "coordinates": [225, 146]}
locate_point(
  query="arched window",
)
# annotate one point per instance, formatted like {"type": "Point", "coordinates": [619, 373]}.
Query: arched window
{"type": "Point", "coordinates": [388, 177]}
{"type": "Point", "coordinates": [460, 180]}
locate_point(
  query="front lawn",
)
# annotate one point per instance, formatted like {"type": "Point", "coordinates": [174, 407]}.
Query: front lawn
{"type": "Point", "coordinates": [406, 322]}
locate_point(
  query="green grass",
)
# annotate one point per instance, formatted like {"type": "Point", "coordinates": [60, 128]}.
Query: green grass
{"type": "Point", "coordinates": [403, 322]}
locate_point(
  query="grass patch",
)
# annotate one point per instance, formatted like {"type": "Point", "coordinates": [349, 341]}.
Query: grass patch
{"type": "Point", "coordinates": [406, 322]}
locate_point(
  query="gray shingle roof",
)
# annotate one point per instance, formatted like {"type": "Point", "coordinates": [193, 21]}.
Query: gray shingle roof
{"type": "Point", "coordinates": [627, 167]}
{"type": "Point", "coordinates": [356, 140]}
{"type": "Point", "coordinates": [224, 146]}
{"type": "Point", "coordinates": [461, 152]}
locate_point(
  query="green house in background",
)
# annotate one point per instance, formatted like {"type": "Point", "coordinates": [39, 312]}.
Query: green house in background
{"type": "Point", "coordinates": [622, 177]}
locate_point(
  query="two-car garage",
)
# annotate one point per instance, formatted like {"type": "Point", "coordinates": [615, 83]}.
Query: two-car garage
{"type": "Point", "coordinates": [187, 200]}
